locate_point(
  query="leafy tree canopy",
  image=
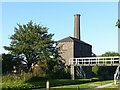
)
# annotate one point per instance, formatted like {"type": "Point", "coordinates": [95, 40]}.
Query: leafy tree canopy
{"type": "Point", "coordinates": [106, 54]}
{"type": "Point", "coordinates": [8, 62]}
{"type": "Point", "coordinates": [32, 43]}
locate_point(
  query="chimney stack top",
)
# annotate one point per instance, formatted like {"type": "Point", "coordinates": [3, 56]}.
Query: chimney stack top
{"type": "Point", "coordinates": [77, 26]}
{"type": "Point", "coordinates": [77, 15]}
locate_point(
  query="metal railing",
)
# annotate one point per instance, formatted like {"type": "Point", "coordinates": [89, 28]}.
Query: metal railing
{"type": "Point", "coordinates": [93, 61]}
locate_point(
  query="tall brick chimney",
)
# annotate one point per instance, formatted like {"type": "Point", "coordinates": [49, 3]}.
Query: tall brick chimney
{"type": "Point", "coordinates": [77, 26]}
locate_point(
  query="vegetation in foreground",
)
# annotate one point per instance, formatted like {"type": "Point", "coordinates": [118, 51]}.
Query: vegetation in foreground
{"type": "Point", "coordinates": [86, 85]}
{"type": "Point", "coordinates": [39, 82]}
{"type": "Point", "coordinates": [113, 86]}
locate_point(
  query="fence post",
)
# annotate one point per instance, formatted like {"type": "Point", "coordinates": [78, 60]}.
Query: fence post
{"type": "Point", "coordinates": [114, 79]}
{"type": "Point", "coordinates": [47, 85]}
{"type": "Point", "coordinates": [72, 72]}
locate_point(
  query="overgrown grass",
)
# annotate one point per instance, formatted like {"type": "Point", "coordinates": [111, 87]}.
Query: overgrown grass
{"type": "Point", "coordinates": [16, 77]}
{"type": "Point", "coordinates": [15, 85]}
{"type": "Point", "coordinates": [16, 80]}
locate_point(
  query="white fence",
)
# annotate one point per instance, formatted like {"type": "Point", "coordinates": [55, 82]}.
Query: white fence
{"type": "Point", "coordinates": [93, 61]}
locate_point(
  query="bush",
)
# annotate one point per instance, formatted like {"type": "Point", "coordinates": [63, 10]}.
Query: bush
{"type": "Point", "coordinates": [95, 70]}
{"type": "Point", "coordinates": [60, 72]}
{"type": "Point", "coordinates": [16, 77]}
{"type": "Point", "coordinates": [95, 79]}
{"type": "Point", "coordinates": [107, 54]}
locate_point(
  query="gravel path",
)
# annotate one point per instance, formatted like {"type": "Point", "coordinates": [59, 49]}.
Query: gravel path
{"type": "Point", "coordinates": [106, 85]}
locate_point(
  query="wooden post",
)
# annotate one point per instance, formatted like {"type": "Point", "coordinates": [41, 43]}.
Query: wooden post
{"type": "Point", "coordinates": [72, 72]}
{"type": "Point", "coordinates": [47, 85]}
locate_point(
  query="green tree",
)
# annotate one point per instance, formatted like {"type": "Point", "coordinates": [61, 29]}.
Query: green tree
{"type": "Point", "coordinates": [107, 54]}
{"type": "Point", "coordinates": [95, 70]}
{"type": "Point", "coordinates": [32, 43]}
{"type": "Point", "coordinates": [118, 23]}
{"type": "Point", "coordinates": [8, 62]}
{"type": "Point", "coordinates": [107, 72]}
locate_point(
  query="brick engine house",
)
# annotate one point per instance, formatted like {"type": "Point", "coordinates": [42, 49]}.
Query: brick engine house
{"type": "Point", "coordinates": [74, 47]}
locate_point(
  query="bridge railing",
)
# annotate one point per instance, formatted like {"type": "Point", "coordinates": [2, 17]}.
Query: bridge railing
{"type": "Point", "coordinates": [92, 61]}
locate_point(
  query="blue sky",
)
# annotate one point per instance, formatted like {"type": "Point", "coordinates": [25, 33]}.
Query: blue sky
{"type": "Point", "coordinates": [97, 21]}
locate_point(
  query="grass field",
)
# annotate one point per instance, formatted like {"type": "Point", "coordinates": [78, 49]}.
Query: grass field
{"type": "Point", "coordinates": [13, 82]}
{"type": "Point", "coordinates": [86, 85]}
{"type": "Point", "coordinates": [114, 86]}
{"type": "Point", "coordinates": [41, 83]}
{"type": "Point", "coordinates": [54, 84]}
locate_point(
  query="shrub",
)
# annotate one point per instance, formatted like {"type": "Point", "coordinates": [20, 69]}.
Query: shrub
{"type": "Point", "coordinates": [95, 70]}
{"type": "Point", "coordinates": [60, 72]}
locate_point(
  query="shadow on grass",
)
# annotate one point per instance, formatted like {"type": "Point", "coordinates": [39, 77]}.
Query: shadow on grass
{"type": "Point", "coordinates": [40, 82]}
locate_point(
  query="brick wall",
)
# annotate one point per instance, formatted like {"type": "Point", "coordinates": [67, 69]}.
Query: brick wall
{"type": "Point", "coordinates": [65, 50]}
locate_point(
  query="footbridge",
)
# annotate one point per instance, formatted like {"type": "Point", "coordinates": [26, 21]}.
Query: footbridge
{"type": "Point", "coordinates": [96, 61]}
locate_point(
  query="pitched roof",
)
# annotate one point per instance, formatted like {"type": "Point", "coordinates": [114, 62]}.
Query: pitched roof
{"type": "Point", "coordinates": [72, 39]}
{"type": "Point", "coordinates": [67, 39]}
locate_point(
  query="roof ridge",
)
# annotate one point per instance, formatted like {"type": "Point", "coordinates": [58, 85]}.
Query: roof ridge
{"type": "Point", "coordinates": [66, 38]}
{"type": "Point", "coordinates": [71, 38]}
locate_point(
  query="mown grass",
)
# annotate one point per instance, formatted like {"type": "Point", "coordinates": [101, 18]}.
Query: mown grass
{"type": "Point", "coordinates": [56, 82]}
{"type": "Point", "coordinates": [114, 86]}
{"type": "Point", "coordinates": [86, 85]}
